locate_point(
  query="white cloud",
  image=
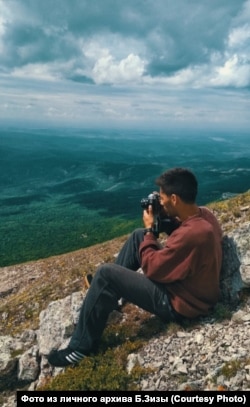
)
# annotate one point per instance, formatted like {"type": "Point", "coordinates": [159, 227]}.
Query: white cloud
{"type": "Point", "coordinates": [3, 20]}
{"type": "Point", "coordinates": [239, 36]}
{"type": "Point", "coordinates": [155, 48]}
{"type": "Point", "coordinates": [108, 70]}
{"type": "Point", "coordinates": [235, 72]}
{"type": "Point", "coordinates": [38, 71]}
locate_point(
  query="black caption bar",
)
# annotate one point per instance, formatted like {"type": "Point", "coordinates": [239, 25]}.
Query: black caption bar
{"type": "Point", "coordinates": [67, 398]}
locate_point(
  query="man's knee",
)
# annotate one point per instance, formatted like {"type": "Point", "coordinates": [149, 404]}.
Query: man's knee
{"type": "Point", "coordinates": [138, 234]}
{"type": "Point", "coordinates": [138, 231]}
{"type": "Point", "coordinates": [104, 271]}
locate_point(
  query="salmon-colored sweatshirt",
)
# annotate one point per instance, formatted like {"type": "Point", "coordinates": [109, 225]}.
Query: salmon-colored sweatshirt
{"type": "Point", "coordinates": [189, 264]}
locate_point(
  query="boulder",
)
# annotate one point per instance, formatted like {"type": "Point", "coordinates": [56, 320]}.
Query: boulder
{"type": "Point", "coordinates": [231, 282]}
{"type": "Point", "coordinates": [241, 238]}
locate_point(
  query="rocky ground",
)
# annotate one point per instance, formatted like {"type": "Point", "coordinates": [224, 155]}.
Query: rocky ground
{"type": "Point", "coordinates": [211, 354]}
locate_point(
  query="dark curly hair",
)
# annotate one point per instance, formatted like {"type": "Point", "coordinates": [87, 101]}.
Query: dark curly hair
{"type": "Point", "coordinates": [179, 181]}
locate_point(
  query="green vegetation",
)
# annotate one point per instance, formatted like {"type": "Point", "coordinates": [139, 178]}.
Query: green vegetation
{"type": "Point", "coordinates": [60, 229]}
{"type": "Point", "coordinates": [232, 211]}
{"type": "Point", "coordinates": [230, 369]}
{"type": "Point", "coordinates": [222, 312]}
{"type": "Point", "coordinates": [66, 190]}
{"type": "Point", "coordinates": [105, 371]}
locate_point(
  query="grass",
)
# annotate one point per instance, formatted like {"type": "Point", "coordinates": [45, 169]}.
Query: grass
{"type": "Point", "coordinates": [105, 371]}
{"type": "Point", "coordinates": [53, 278]}
{"type": "Point", "coordinates": [231, 212]}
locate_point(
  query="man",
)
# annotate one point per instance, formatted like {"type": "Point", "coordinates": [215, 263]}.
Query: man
{"type": "Point", "coordinates": [179, 280]}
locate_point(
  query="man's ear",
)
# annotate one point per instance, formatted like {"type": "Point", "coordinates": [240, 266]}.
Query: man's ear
{"type": "Point", "coordinates": [174, 199]}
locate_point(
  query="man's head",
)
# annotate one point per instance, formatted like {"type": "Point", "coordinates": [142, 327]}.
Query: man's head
{"type": "Point", "coordinates": [178, 190]}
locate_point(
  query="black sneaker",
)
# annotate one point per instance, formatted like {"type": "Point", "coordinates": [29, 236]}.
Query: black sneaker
{"type": "Point", "coordinates": [64, 357]}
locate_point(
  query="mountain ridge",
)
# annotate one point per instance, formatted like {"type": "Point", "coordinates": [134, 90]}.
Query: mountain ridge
{"type": "Point", "coordinates": [68, 270]}
{"type": "Point", "coordinates": [28, 288]}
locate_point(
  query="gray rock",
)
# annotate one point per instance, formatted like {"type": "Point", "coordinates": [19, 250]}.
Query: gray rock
{"type": "Point", "coordinates": [29, 365]}
{"type": "Point", "coordinates": [241, 238]}
{"type": "Point", "coordinates": [57, 322]}
{"type": "Point", "coordinates": [8, 364]}
{"type": "Point", "coordinates": [230, 279]}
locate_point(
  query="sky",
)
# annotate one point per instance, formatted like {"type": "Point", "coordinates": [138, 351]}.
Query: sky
{"type": "Point", "coordinates": [134, 63]}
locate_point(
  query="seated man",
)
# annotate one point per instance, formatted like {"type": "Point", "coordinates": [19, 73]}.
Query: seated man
{"type": "Point", "coordinates": [180, 279]}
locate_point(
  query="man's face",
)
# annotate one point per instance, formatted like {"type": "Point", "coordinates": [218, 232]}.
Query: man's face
{"type": "Point", "coordinates": [168, 203]}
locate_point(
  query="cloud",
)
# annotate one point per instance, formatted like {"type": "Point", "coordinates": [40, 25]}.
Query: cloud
{"type": "Point", "coordinates": [235, 73]}
{"type": "Point", "coordinates": [134, 46]}
{"type": "Point", "coordinates": [164, 37]}
{"type": "Point", "coordinates": [107, 70]}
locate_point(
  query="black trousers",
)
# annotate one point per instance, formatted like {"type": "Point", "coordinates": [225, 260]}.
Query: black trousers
{"type": "Point", "coordinates": [111, 282]}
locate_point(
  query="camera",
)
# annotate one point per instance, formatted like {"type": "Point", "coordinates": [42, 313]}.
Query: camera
{"type": "Point", "coordinates": [154, 200]}
{"type": "Point", "coordinates": [163, 223]}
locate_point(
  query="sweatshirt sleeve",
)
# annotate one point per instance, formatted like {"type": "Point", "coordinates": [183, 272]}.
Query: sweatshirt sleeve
{"type": "Point", "coordinates": [171, 263]}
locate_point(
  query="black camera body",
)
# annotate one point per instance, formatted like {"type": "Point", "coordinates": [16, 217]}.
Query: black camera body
{"type": "Point", "coordinates": [154, 200]}
{"type": "Point", "coordinates": [163, 222]}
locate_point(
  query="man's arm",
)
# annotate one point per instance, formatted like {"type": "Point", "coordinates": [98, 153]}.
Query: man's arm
{"type": "Point", "coordinates": [167, 264]}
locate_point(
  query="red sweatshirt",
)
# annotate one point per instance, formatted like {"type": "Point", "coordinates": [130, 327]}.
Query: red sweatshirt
{"type": "Point", "coordinates": [189, 264]}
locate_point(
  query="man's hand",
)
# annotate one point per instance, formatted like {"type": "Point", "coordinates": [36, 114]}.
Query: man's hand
{"type": "Point", "coordinates": [148, 217]}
